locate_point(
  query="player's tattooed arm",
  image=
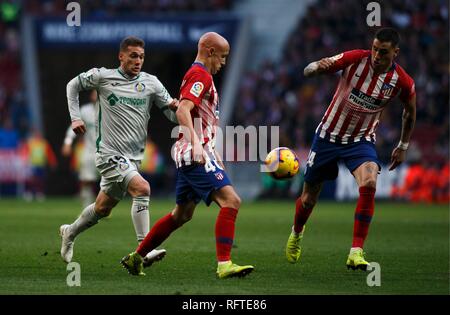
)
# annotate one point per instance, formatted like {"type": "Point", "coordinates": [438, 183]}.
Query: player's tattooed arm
{"type": "Point", "coordinates": [408, 119]}
{"type": "Point", "coordinates": [318, 67]}
{"type": "Point", "coordinates": [408, 122]}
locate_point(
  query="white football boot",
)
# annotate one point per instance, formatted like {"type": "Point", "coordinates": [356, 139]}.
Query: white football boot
{"type": "Point", "coordinates": [67, 244]}
{"type": "Point", "coordinates": [153, 256]}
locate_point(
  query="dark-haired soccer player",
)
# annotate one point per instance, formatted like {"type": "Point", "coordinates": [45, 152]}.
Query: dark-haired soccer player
{"type": "Point", "coordinates": [200, 174]}
{"type": "Point", "coordinates": [369, 81]}
{"type": "Point", "coordinates": [125, 98]}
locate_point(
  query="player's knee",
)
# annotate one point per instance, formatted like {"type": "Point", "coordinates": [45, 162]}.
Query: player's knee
{"type": "Point", "coordinates": [234, 202]}
{"type": "Point", "coordinates": [143, 189]}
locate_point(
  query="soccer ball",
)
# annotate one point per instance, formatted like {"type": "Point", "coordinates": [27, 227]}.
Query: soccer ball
{"type": "Point", "coordinates": [282, 163]}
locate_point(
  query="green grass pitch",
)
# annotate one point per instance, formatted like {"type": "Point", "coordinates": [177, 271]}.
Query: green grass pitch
{"type": "Point", "coordinates": [410, 242]}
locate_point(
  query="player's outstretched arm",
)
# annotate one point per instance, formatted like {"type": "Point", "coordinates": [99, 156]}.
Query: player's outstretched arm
{"type": "Point", "coordinates": [408, 122]}
{"type": "Point", "coordinates": [318, 67]}
{"type": "Point", "coordinates": [335, 63]}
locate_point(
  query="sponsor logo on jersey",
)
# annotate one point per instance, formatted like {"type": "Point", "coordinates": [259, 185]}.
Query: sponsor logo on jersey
{"type": "Point", "coordinates": [363, 100]}
{"type": "Point", "coordinates": [132, 101]}
{"type": "Point", "coordinates": [112, 99]}
{"type": "Point", "coordinates": [139, 87]}
{"type": "Point", "coordinates": [196, 89]}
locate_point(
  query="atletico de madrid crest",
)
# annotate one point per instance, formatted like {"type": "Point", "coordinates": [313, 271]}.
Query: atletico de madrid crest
{"type": "Point", "coordinates": [387, 89]}
{"type": "Point", "coordinates": [219, 175]}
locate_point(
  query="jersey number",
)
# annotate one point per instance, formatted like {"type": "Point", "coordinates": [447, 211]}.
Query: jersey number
{"type": "Point", "coordinates": [120, 162]}
{"type": "Point", "coordinates": [117, 159]}
{"type": "Point", "coordinates": [311, 156]}
{"type": "Point", "coordinates": [211, 166]}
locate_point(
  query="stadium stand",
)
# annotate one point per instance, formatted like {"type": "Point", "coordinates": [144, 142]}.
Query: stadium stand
{"type": "Point", "coordinates": [16, 125]}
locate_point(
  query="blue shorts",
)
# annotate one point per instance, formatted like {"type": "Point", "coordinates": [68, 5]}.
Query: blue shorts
{"type": "Point", "coordinates": [325, 155]}
{"type": "Point", "coordinates": [197, 182]}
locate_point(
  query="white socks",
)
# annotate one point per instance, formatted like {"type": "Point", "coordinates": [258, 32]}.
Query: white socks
{"type": "Point", "coordinates": [140, 216]}
{"type": "Point", "coordinates": [87, 219]}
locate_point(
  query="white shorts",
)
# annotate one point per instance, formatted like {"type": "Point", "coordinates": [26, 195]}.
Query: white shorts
{"type": "Point", "coordinates": [88, 172]}
{"type": "Point", "coordinates": [116, 172]}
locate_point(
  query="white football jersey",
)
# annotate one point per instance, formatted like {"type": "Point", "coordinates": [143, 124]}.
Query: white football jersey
{"type": "Point", "coordinates": [122, 109]}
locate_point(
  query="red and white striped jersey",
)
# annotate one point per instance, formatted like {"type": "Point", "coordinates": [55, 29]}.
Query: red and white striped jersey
{"type": "Point", "coordinates": [198, 87]}
{"type": "Point", "coordinates": [360, 97]}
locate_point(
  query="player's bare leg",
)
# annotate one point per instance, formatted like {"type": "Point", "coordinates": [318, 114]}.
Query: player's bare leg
{"type": "Point", "coordinates": [229, 203]}
{"type": "Point", "coordinates": [134, 262]}
{"type": "Point", "coordinates": [366, 177]}
{"type": "Point", "coordinates": [303, 209]}
{"type": "Point", "coordinates": [89, 217]}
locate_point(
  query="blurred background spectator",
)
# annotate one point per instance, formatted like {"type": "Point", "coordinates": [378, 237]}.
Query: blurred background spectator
{"type": "Point", "coordinates": [40, 157]}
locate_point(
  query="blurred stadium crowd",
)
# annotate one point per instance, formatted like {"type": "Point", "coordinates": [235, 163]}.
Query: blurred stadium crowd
{"type": "Point", "coordinates": [99, 8]}
{"type": "Point", "coordinates": [21, 146]}
{"type": "Point", "coordinates": [14, 115]}
{"type": "Point", "coordinates": [276, 93]}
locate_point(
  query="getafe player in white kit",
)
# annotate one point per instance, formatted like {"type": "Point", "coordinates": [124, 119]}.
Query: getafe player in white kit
{"type": "Point", "coordinates": [125, 98]}
{"type": "Point", "coordinates": [88, 174]}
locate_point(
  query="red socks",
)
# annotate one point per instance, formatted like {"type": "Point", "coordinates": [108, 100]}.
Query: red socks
{"type": "Point", "coordinates": [225, 233]}
{"type": "Point", "coordinates": [301, 215]}
{"type": "Point", "coordinates": [363, 215]}
{"type": "Point", "coordinates": [165, 226]}
{"type": "Point", "coordinates": [160, 232]}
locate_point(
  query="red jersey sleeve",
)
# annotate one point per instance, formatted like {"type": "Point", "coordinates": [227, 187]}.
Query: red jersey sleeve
{"type": "Point", "coordinates": [194, 86]}
{"type": "Point", "coordinates": [407, 85]}
{"type": "Point", "coordinates": [343, 60]}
